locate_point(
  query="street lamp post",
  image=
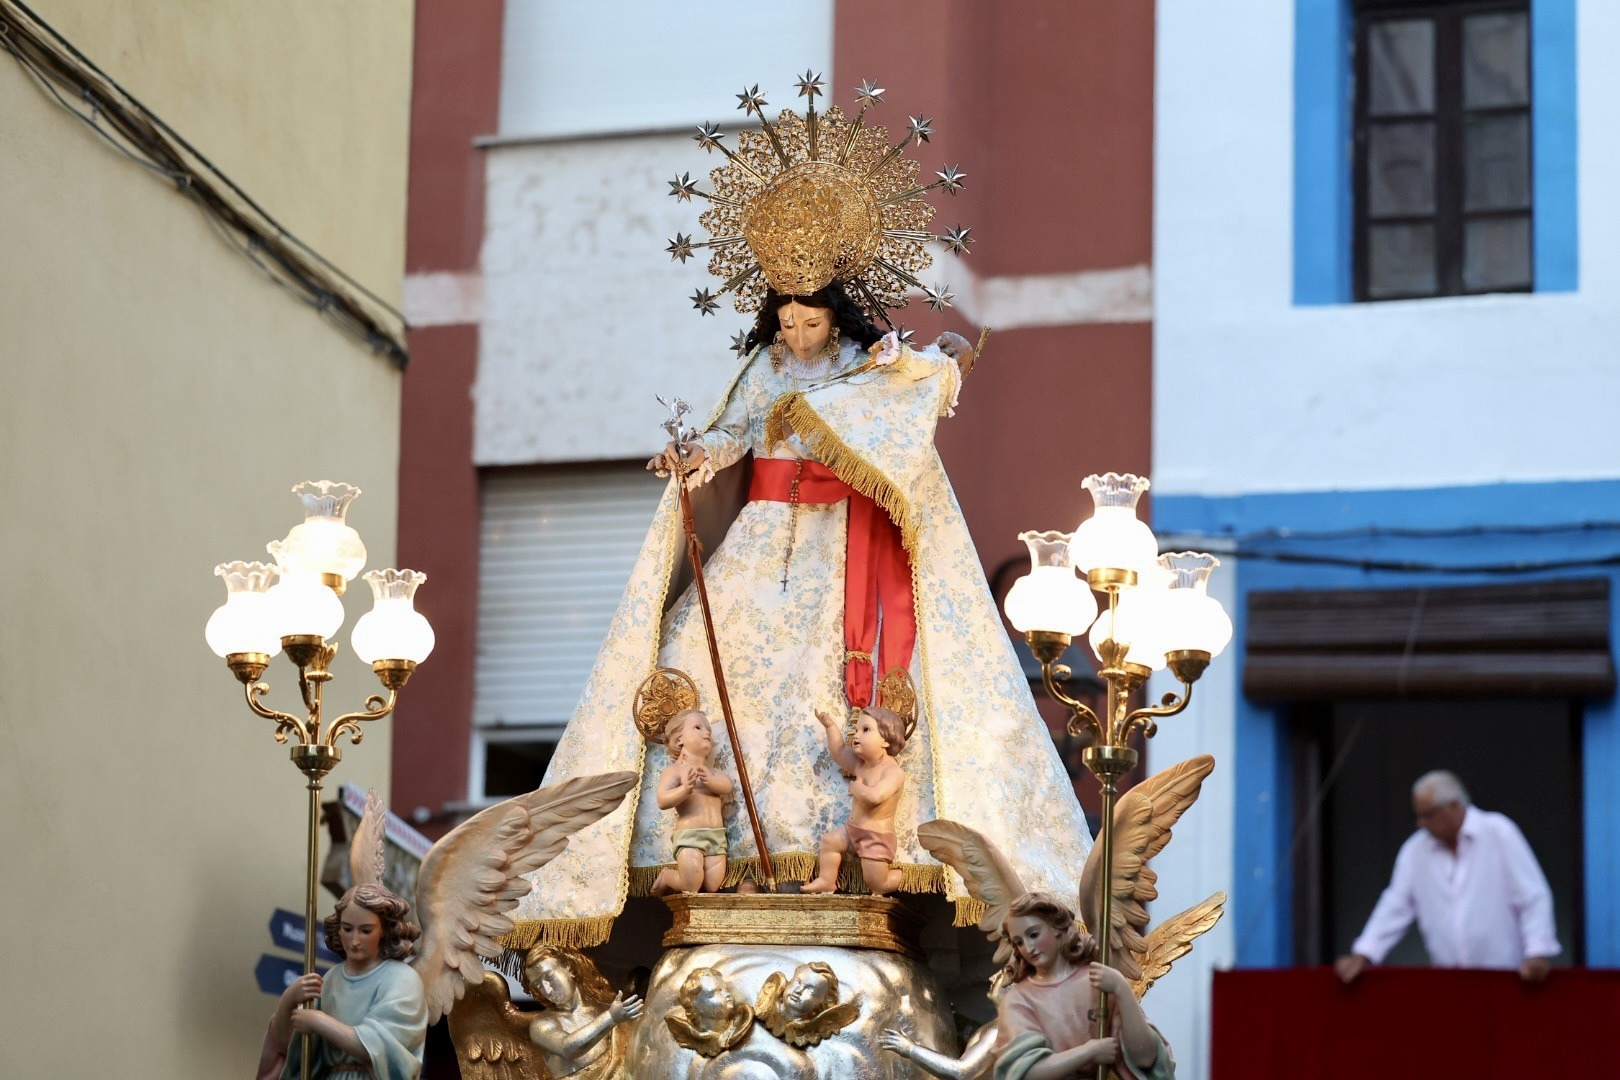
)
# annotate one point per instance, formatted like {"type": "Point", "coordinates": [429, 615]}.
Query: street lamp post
{"type": "Point", "coordinates": [1159, 615]}
{"type": "Point", "coordinates": [292, 607]}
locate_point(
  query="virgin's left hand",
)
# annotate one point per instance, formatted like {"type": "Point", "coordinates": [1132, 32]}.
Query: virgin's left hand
{"type": "Point", "coordinates": [957, 348]}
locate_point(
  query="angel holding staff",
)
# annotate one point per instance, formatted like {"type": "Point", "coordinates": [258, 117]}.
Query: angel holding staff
{"type": "Point", "coordinates": [1050, 969]}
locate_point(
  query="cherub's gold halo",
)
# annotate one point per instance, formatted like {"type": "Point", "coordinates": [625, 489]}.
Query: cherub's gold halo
{"type": "Point", "coordinates": [661, 697]}
{"type": "Point", "coordinates": [897, 693]}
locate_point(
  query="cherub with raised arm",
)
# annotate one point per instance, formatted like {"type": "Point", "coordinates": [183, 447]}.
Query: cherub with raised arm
{"type": "Point", "coordinates": [1049, 960]}
{"type": "Point", "coordinates": [874, 791]}
{"type": "Point", "coordinates": [692, 787]}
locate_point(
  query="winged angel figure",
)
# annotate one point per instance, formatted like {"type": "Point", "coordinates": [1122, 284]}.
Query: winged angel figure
{"type": "Point", "coordinates": [397, 977]}
{"type": "Point", "coordinates": [1048, 983]}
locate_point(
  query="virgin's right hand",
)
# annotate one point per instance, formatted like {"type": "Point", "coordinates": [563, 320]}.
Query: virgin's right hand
{"type": "Point", "coordinates": [625, 1008]}
{"type": "Point", "coordinates": [664, 462]}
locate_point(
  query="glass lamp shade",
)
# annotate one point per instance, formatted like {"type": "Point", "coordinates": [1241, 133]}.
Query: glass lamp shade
{"type": "Point", "coordinates": [245, 622]}
{"type": "Point", "coordinates": [1192, 619]}
{"type": "Point", "coordinates": [1140, 620]}
{"type": "Point", "coordinates": [393, 629]}
{"type": "Point", "coordinates": [1113, 537]}
{"type": "Point", "coordinates": [1050, 597]}
{"type": "Point", "coordinates": [300, 603]}
{"type": "Point", "coordinates": [325, 543]}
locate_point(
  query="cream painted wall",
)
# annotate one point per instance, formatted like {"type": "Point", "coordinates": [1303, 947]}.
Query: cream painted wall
{"type": "Point", "coordinates": [158, 398]}
{"type": "Point", "coordinates": [304, 103]}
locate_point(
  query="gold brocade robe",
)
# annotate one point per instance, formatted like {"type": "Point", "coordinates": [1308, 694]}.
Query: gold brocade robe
{"type": "Point", "coordinates": [981, 753]}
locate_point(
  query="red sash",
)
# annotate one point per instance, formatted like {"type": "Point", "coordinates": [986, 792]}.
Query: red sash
{"type": "Point", "coordinates": [877, 572]}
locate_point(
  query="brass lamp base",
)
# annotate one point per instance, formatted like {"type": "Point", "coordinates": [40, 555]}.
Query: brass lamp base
{"type": "Point", "coordinates": [1105, 760]}
{"type": "Point", "coordinates": [316, 760]}
{"type": "Point", "coordinates": [248, 666]}
{"type": "Point", "coordinates": [1188, 664]}
{"type": "Point", "coordinates": [1047, 645]}
{"type": "Point", "coordinates": [308, 651]}
{"type": "Point", "coordinates": [334, 582]}
{"type": "Point", "coordinates": [1110, 579]}
{"type": "Point", "coordinates": [393, 673]}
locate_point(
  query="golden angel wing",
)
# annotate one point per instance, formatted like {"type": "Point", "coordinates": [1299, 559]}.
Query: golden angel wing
{"type": "Point", "coordinates": [491, 1035]}
{"type": "Point", "coordinates": [1142, 820]}
{"type": "Point", "coordinates": [1173, 938]}
{"type": "Point", "coordinates": [986, 871]}
{"type": "Point", "coordinates": [474, 876]}
{"type": "Point", "coordinates": [366, 845]}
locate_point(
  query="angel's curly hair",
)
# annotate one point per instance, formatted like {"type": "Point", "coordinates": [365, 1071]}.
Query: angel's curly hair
{"type": "Point", "coordinates": [399, 934]}
{"type": "Point", "coordinates": [593, 986]}
{"type": "Point", "coordinates": [1079, 946]}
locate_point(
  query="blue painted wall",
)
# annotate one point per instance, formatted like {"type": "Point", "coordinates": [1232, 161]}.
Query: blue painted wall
{"type": "Point", "coordinates": [1563, 529]}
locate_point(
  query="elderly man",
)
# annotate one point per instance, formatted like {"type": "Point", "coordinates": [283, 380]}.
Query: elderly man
{"type": "Point", "coordinates": [1472, 883]}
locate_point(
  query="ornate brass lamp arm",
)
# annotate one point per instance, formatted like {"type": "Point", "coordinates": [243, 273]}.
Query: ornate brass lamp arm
{"type": "Point", "coordinates": [1081, 716]}
{"type": "Point", "coordinates": [1146, 717]}
{"type": "Point", "coordinates": [286, 723]}
{"type": "Point", "coordinates": [376, 707]}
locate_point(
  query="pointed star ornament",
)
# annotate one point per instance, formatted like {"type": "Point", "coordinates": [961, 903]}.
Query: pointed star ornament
{"type": "Point", "coordinates": [739, 343]}
{"type": "Point", "coordinates": [708, 136]}
{"type": "Point", "coordinates": [680, 247]}
{"type": "Point", "coordinates": [869, 93]}
{"type": "Point", "coordinates": [810, 85]}
{"type": "Point", "coordinates": [705, 301]}
{"type": "Point", "coordinates": [919, 127]}
{"type": "Point", "coordinates": [951, 179]}
{"type": "Point", "coordinates": [939, 297]}
{"type": "Point", "coordinates": [957, 240]}
{"type": "Point", "coordinates": [904, 336]}
{"type": "Point", "coordinates": [751, 101]}
{"type": "Point", "coordinates": [683, 187]}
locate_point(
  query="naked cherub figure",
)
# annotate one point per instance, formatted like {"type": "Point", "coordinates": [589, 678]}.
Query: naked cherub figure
{"type": "Point", "coordinates": [692, 787]}
{"type": "Point", "coordinates": [874, 791]}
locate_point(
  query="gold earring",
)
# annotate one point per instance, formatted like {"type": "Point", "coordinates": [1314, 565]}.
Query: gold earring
{"type": "Point", "coordinates": [778, 349]}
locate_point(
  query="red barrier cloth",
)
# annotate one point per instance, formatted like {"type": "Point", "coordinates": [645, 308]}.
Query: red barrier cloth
{"type": "Point", "coordinates": [876, 570]}
{"type": "Point", "coordinates": [1429, 1023]}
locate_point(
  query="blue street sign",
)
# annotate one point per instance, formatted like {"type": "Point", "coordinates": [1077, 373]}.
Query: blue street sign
{"type": "Point", "coordinates": [276, 973]}
{"type": "Point", "coordinates": [287, 932]}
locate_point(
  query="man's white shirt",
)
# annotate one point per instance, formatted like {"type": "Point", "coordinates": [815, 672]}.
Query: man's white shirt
{"type": "Point", "coordinates": [1485, 906]}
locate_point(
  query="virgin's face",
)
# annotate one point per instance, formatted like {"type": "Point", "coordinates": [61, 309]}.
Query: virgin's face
{"type": "Point", "coordinates": [553, 980]}
{"type": "Point", "coordinates": [804, 329]}
{"type": "Point", "coordinates": [1036, 940]}
{"type": "Point", "coordinates": [361, 933]}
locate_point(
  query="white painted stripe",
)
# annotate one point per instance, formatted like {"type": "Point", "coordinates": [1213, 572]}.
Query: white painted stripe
{"type": "Point", "coordinates": [1010, 302]}
{"type": "Point", "coordinates": [444, 299]}
{"type": "Point", "coordinates": [1123, 295]}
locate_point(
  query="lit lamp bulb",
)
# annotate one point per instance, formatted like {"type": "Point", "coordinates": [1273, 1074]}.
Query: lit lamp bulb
{"type": "Point", "coordinates": [325, 544]}
{"type": "Point", "coordinates": [301, 606]}
{"type": "Point", "coordinates": [1194, 628]}
{"type": "Point", "coordinates": [393, 637]}
{"type": "Point", "coordinates": [243, 629]}
{"type": "Point", "coordinates": [1113, 538]}
{"type": "Point", "coordinates": [1050, 598]}
{"type": "Point", "coordinates": [1140, 617]}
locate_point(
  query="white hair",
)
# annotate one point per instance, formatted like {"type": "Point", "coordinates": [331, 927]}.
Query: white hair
{"type": "Point", "coordinates": [1443, 787]}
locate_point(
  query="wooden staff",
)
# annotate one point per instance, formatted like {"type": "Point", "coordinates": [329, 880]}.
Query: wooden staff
{"type": "Point", "coordinates": [694, 552]}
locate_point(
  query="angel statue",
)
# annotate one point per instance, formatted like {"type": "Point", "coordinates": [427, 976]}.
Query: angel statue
{"type": "Point", "coordinates": [1048, 959]}
{"type": "Point", "coordinates": [396, 977]}
{"type": "Point", "coordinates": [833, 548]}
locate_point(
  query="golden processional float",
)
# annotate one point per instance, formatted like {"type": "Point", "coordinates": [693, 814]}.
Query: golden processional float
{"type": "Point", "coordinates": [879, 741]}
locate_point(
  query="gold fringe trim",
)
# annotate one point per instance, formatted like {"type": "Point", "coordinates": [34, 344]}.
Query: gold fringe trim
{"type": "Point", "coordinates": [573, 933]}
{"type": "Point", "coordinates": [969, 912]}
{"type": "Point", "coordinates": [802, 866]}
{"type": "Point", "coordinates": [791, 412]}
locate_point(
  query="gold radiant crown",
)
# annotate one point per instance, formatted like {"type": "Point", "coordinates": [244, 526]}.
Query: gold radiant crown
{"type": "Point", "coordinates": [809, 200]}
{"type": "Point", "coordinates": [661, 697]}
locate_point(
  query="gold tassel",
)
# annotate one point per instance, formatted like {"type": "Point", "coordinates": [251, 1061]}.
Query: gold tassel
{"type": "Point", "coordinates": [573, 933]}
{"type": "Point", "coordinates": [969, 912]}
{"type": "Point", "coordinates": [791, 411]}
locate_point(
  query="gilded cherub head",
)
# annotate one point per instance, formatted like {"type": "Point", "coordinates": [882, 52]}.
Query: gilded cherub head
{"type": "Point", "coordinates": [805, 1009]}
{"type": "Point", "coordinates": [710, 1019]}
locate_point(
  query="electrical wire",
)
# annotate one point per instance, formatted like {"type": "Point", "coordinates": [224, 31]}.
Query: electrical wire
{"type": "Point", "coordinates": [142, 137]}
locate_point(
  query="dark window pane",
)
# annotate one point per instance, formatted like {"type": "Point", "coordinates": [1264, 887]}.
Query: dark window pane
{"type": "Point", "coordinates": [1496, 254]}
{"type": "Point", "coordinates": [1400, 169]}
{"type": "Point", "coordinates": [1400, 67]}
{"type": "Point", "coordinates": [1496, 60]}
{"type": "Point", "coordinates": [1496, 173]}
{"type": "Point", "coordinates": [515, 768]}
{"type": "Point", "coordinates": [1400, 260]}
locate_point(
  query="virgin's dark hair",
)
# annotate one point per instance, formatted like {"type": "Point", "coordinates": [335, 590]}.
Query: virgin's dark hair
{"type": "Point", "coordinates": [852, 321]}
